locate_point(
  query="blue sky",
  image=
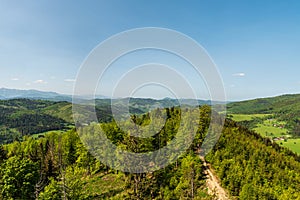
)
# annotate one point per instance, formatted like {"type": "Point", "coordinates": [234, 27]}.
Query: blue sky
{"type": "Point", "coordinates": [255, 44]}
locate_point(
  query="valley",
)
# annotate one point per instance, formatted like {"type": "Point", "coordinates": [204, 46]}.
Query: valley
{"type": "Point", "coordinates": [276, 118]}
{"type": "Point", "coordinates": [255, 153]}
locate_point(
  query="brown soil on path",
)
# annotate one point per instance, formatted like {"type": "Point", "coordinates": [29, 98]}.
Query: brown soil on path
{"type": "Point", "coordinates": [213, 183]}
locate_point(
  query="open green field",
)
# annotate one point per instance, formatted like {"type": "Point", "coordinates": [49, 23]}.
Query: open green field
{"type": "Point", "coordinates": [53, 131]}
{"type": "Point", "coordinates": [247, 117]}
{"type": "Point", "coordinates": [271, 128]}
{"type": "Point", "coordinates": [292, 144]}
{"type": "Point", "coordinates": [268, 127]}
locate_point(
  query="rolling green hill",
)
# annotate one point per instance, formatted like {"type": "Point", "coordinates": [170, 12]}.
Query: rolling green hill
{"type": "Point", "coordinates": [59, 164]}
{"type": "Point", "coordinates": [283, 108]}
{"type": "Point", "coordinates": [19, 117]}
{"type": "Point", "coordinates": [285, 104]}
{"type": "Point", "coordinates": [277, 118]}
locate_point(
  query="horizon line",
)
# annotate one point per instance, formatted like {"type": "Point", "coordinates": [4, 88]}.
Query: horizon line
{"type": "Point", "coordinates": [150, 97]}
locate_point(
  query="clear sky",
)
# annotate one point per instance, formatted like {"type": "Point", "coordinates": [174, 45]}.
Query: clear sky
{"type": "Point", "coordinates": [255, 44]}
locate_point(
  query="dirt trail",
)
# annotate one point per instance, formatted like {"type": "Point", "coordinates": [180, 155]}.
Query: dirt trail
{"type": "Point", "coordinates": [213, 183]}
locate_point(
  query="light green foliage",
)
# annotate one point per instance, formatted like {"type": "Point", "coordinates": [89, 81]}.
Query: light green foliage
{"type": "Point", "coordinates": [20, 117]}
{"type": "Point", "coordinates": [293, 144]}
{"type": "Point", "coordinates": [58, 165]}
{"type": "Point", "coordinates": [18, 178]}
{"type": "Point", "coordinates": [250, 168]}
{"type": "Point", "coordinates": [66, 170]}
{"type": "Point", "coordinates": [52, 191]}
{"type": "Point", "coordinates": [191, 177]}
{"type": "Point", "coordinates": [267, 125]}
{"type": "Point", "coordinates": [247, 117]}
{"type": "Point", "coordinates": [283, 108]}
{"type": "Point", "coordinates": [271, 128]}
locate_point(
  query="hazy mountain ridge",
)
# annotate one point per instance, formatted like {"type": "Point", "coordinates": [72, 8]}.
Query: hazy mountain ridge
{"type": "Point", "coordinates": [6, 93]}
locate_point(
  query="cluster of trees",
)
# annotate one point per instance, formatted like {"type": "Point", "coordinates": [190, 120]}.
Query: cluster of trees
{"type": "Point", "coordinates": [20, 117]}
{"type": "Point", "coordinates": [34, 123]}
{"type": "Point", "coordinates": [8, 135]}
{"type": "Point", "coordinates": [181, 180]}
{"type": "Point", "coordinates": [252, 167]}
{"type": "Point", "coordinates": [58, 165]}
{"type": "Point", "coordinates": [43, 168]}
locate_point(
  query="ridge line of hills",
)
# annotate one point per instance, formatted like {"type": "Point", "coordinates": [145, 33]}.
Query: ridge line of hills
{"type": "Point", "coordinates": [247, 164]}
{"type": "Point", "coordinates": [6, 94]}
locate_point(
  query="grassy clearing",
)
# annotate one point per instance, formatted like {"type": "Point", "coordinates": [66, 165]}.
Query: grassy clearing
{"type": "Point", "coordinates": [292, 144]}
{"type": "Point", "coordinates": [100, 185]}
{"type": "Point", "coordinates": [271, 129]}
{"type": "Point", "coordinates": [247, 117]}
{"type": "Point", "coordinates": [53, 131]}
{"type": "Point", "coordinates": [268, 128]}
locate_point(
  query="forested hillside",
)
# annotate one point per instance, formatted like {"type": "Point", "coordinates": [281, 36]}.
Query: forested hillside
{"type": "Point", "coordinates": [276, 118]}
{"type": "Point", "coordinates": [59, 166]}
{"type": "Point", "coordinates": [266, 105]}
{"type": "Point", "coordinates": [284, 108]}
{"type": "Point", "coordinates": [253, 167]}
{"type": "Point", "coordinates": [20, 117]}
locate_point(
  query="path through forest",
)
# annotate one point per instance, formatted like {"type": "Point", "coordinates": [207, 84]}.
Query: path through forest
{"type": "Point", "coordinates": [213, 183]}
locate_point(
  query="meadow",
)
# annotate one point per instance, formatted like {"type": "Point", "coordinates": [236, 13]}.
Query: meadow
{"type": "Point", "coordinates": [292, 144]}
{"type": "Point", "coordinates": [272, 128]}
{"type": "Point", "coordinates": [267, 126]}
{"type": "Point", "coordinates": [247, 117]}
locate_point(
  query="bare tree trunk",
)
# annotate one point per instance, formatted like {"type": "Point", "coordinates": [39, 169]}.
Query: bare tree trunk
{"type": "Point", "coordinates": [192, 182]}
{"type": "Point", "coordinates": [39, 186]}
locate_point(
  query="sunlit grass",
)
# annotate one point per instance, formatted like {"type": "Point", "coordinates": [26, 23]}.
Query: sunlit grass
{"type": "Point", "coordinates": [247, 117]}
{"type": "Point", "coordinates": [271, 129]}
{"type": "Point", "coordinates": [292, 144]}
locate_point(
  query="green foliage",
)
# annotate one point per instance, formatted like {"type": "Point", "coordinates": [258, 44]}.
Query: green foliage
{"type": "Point", "coordinates": [58, 165]}
{"type": "Point", "coordinates": [191, 177]}
{"type": "Point", "coordinates": [276, 117]}
{"type": "Point", "coordinates": [250, 168]}
{"type": "Point", "coordinates": [66, 170]}
{"type": "Point", "coordinates": [247, 117]}
{"type": "Point", "coordinates": [283, 108]}
{"type": "Point", "coordinates": [293, 144]}
{"type": "Point", "coordinates": [52, 191]}
{"type": "Point", "coordinates": [19, 117]}
{"type": "Point", "coordinates": [18, 178]}
{"type": "Point", "coordinates": [271, 128]}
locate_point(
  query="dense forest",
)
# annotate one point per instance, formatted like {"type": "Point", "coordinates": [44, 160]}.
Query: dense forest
{"type": "Point", "coordinates": [20, 117]}
{"type": "Point", "coordinates": [59, 166]}
{"type": "Point", "coordinates": [252, 167]}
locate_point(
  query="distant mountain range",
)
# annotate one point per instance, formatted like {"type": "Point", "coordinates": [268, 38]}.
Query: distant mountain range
{"type": "Point", "coordinates": [6, 94]}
